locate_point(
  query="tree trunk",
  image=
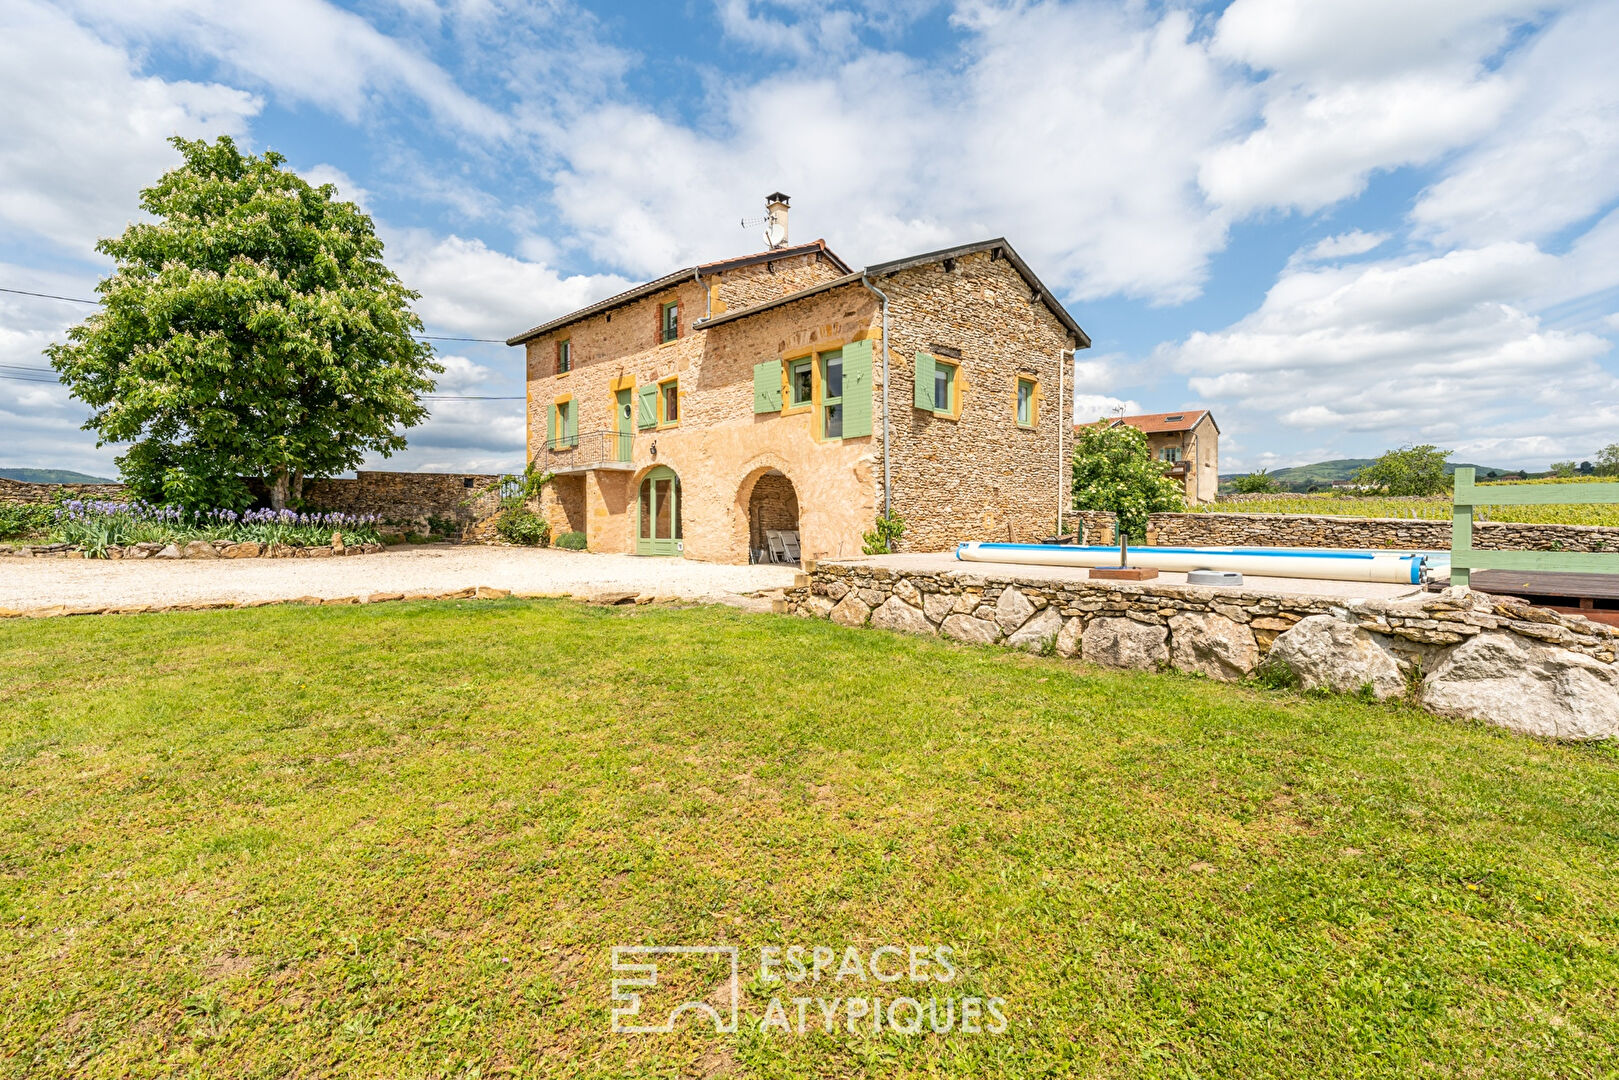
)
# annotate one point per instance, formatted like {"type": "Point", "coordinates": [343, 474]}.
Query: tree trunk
{"type": "Point", "coordinates": [298, 486]}
{"type": "Point", "coordinates": [278, 490]}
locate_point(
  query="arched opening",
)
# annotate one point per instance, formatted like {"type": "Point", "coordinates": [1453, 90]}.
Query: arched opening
{"type": "Point", "coordinates": [773, 519]}
{"type": "Point", "coordinates": [657, 514]}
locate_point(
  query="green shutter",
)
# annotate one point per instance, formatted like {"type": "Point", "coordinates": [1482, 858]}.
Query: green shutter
{"type": "Point", "coordinates": [646, 408]}
{"type": "Point", "coordinates": [857, 389]}
{"type": "Point", "coordinates": [767, 387]}
{"type": "Point", "coordinates": [552, 435]}
{"type": "Point", "coordinates": [924, 381]}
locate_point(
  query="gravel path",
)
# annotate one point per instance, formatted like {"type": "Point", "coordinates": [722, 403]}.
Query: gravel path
{"type": "Point", "coordinates": [33, 583]}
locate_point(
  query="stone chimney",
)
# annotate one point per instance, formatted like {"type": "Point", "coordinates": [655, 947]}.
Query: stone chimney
{"type": "Point", "coordinates": [776, 229]}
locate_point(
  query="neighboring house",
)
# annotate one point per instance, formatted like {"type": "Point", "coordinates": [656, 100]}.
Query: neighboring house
{"type": "Point", "coordinates": [1188, 443]}
{"type": "Point", "coordinates": [691, 414]}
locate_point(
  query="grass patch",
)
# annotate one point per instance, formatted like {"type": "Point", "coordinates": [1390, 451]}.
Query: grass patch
{"type": "Point", "coordinates": [400, 840]}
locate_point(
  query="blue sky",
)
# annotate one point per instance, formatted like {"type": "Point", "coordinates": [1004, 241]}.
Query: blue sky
{"type": "Point", "coordinates": [1342, 226]}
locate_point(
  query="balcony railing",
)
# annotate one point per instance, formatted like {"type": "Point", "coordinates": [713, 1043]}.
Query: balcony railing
{"type": "Point", "coordinates": [586, 451]}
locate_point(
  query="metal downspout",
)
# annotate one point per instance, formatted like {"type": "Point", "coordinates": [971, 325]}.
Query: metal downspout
{"type": "Point", "coordinates": [888, 479]}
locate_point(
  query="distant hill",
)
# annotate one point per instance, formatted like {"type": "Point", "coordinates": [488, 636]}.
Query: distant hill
{"type": "Point", "coordinates": [52, 476]}
{"type": "Point", "coordinates": [1323, 473]}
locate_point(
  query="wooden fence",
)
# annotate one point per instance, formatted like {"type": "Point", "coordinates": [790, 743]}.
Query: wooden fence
{"type": "Point", "coordinates": [1465, 558]}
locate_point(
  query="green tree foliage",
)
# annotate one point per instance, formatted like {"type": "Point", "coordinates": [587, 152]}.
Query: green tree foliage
{"type": "Point", "coordinates": [1114, 470]}
{"type": "Point", "coordinates": [1564, 468]}
{"type": "Point", "coordinates": [1607, 463]}
{"type": "Point", "coordinates": [1410, 470]}
{"type": "Point", "coordinates": [250, 329]}
{"type": "Point", "coordinates": [1256, 483]}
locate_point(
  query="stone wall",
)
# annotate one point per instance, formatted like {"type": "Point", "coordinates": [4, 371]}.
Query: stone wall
{"type": "Point", "coordinates": [980, 476]}
{"type": "Point", "coordinates": [1457, 653]}
{"type": "Point", "coordinates": [1326, 530]}
{"type": "Point", "coordinates": [400, 497]}
{"type": "Point", "coordinates": [15, 492]}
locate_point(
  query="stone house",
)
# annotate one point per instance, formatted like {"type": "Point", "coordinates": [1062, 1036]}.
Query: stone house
{"type": "Point", "coordinates": [1188, 443]}
{"type": "Point", "coordinates": [786, 390]}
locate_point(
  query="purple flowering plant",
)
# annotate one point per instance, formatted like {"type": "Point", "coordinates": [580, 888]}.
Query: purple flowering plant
{"type": "Point", "coordinates": [96, 525]}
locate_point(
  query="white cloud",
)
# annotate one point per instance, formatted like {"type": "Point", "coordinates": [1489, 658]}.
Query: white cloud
{"type": "Point", "coordinates": [1344, 245]}
{"type": "Point", "coordinates": [1553, 160]}
{"type": "Point", "coordinates": [1352, 89]}
{"type": "Point", "coordinates": [1435, 349]}
{"type": "Point", "coordinates": [84, 132]}
{"type": "Point", "coordinates": [467, 288]}
{"type": "Point", "coordinates": [1091, 407]}
{"type": "Point", "coordinates": [304, 51]}
{"type": "Point", "coordinates": [1088, 167]}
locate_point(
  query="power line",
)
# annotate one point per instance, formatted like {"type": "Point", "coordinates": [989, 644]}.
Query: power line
{"type": "Point", "coordinates": [97, 303]}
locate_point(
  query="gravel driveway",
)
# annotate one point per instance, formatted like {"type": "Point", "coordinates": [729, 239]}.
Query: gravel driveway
{"type": "Point", "coordinates": [33, 583]}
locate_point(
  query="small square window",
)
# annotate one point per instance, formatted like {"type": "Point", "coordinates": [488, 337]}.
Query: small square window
{"type": "Point", "coordinates": [671, 401]}
{"type": "Point", "coordinates": [671, 320]}
{"type": "Point", "coordinates": [1170, 454]}
{"type": "Point", "coordinates": [800, 381]}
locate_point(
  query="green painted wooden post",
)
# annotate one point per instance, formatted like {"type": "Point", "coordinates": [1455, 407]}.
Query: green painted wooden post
{"type": "Point", "coordinates": [1465, 558]}
{"type": "Point", "coordinates": [1461, 529]}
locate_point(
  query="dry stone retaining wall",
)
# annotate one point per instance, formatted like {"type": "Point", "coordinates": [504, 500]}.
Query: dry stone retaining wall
{"type": "Point", "coordinates": [1457, 653]}
{"type": "Point", "coordinates": [1328, 530]}
{"type": "Point", "coordinates": [17, 493]}
{"type": "Point", "coordinates": [196, 549]}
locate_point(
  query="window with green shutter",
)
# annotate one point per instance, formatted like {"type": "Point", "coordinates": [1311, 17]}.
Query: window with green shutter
{"type": "Point", "coordinates": [832, 395]}
{"type": "Point", "coordinates": [767, 387]}
{"type": "Point", "coordinates": [857, 389]}
{"type": "Point", "coordinates": [646, 406]}
{"type": "Point", "coordinates": [924, 381]}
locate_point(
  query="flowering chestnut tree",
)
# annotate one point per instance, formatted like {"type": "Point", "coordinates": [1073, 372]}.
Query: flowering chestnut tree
{"type": "Point", "coordinates": [1114, 470]}
{"type": "Point", "coordinates": [249, 329]}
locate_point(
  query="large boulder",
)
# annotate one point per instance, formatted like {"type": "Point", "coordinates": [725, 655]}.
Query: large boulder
{"type": "Point", "coordinates": [1125, 643]}
{"type": "Point", "coordinates": [851, 611]}
{"type": "Point", "coordinates": [896, 614]}
{"type": "Point", "coordinates": [1526, 687]}
{"type": "Point", "coordinates": [937, 605]}
{"type": "Point", "coordinates": [1033, 635]}
{"type": "Point", "coordinates": [1068, 641]}
{"type": "Point", "coordinates": [1012, 609]}
{"type": "Point", "coordinates": [971, 630]}
{"type": "Point", "coordinates": [1325, 652]}
{"type": "Point", "coordinates": [1211, 645]}
{"type": "Point", "coordinates": [200, 549]}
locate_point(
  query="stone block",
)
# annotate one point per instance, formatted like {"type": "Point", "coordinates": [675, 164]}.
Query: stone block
{"type": "Point", "coordinates": [1211, 645]}
{"type": "Point", "coordinates": [248, 549]}
{"type": "Point", "coordinates": [1527, 687]}
{"type": "Point", "coordinates": [973, 631]}
{"type": "Point", "coordinates": [1032, 636]}
{"type": "Point", "coordinates": [937, 605]}
{"type": "Point", "coordinates": [896, 614]}
{"type": "Point", "coordinates": [1325, 652]}
{"type": "Point", "coordinates": [1125, 643]}
{"type": "Point", "coordinates": [850, 611]}
{"type": "Point", "coordinates": [1012, 609]}
{"type": "Point", "coordinates": [1068, 641]}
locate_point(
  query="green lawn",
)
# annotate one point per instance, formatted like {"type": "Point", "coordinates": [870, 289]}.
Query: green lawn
{"type": "Point", "coordinates": [400, 840]}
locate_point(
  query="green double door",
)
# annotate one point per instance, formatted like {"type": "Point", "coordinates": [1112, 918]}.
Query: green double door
{"type": "Point", "coordinates": [657, 526]}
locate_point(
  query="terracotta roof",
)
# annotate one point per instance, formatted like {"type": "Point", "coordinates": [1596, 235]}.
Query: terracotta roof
{"type": "Point", "coordinates": [997, 245]}
{"type": "Point", "coordinates": [674, 278]}
{"type": "Point", "coordinates": [1161, 423]}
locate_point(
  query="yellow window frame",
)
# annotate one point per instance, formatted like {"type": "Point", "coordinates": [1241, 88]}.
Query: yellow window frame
{"type": "Point", "coordinates": [954, 411]}
{"type": "Point", "coordinates": [664, 421]}
{"type": "Point", "coordinates": [554, 438]}
{"type": "Point", "coordinates": [1034, 401]}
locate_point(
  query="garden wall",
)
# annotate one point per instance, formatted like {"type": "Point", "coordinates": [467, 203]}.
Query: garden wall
{"type": "Point", "coordinates": [1456, 653]}
{"type": "Point", "coordinates": [17, 493]}
{"type": "Point", "coordinates": [399, 497]}
{"type": "Point", "coordinates": [1327, 530]}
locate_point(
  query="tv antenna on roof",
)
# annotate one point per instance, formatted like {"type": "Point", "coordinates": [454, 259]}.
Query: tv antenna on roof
{"type": "Point", "coordinates": [774, 221]}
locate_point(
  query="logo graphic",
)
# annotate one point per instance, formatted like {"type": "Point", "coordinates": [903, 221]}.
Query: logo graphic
{"type": "Point", "coordinates": [637, 961]}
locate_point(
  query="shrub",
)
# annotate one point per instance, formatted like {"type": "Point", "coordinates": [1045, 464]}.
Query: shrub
{"type": "Point", "coordinates": [1258, 483]}
{"type": "Point", "coordinates": [520, 525]}
{"type": "Point", "coordinates": [1114, 470]}
{"type": "Point", "coordinates": [573, 541]}
{"type": "Point", "coordinates": [28, 519]}
{"type": "Point", "coordinates": [880, 541]}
